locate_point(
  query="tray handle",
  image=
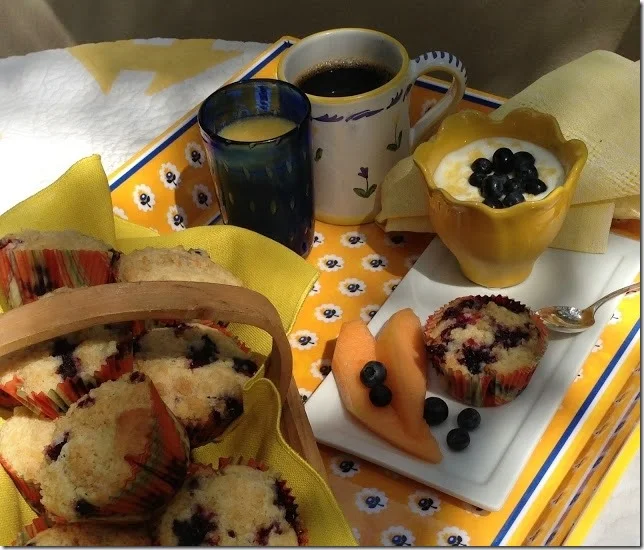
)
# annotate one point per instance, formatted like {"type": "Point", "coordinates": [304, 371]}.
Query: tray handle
{"type": "Point", "coordinates": [72, 310]}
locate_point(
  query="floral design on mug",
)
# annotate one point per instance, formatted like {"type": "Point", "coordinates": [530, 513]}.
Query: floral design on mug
{"type": "Point", "coordinates": [371, 501]}
{"type": "Point", "coordinates": [344, 466]}
{"type": "Point", "coordinates": [321, 368]}
{"type": "Point", "coordinates": [143, 198]}
{"type": "Point", "coordinates": [328, 313]}
{"type": "Point", "coordinates": [119, 212]}
{"type": "Point", "coordinates": [395, 99]}
{"type": "Point", "coordinates": [397, 535]}
{"type": "Point", "coordinates": [369, 189]}
{"type": "Point", "coordinates": [201, 196]}
{"type": "Point", "coordinates": [395, 145]}
{"type": "Point", "coordinates": [352, 287]}
{"type": "Point", "coordinates": [177, 218]}
{"type": "Point", "coordinates": [194, 154]}
{"type": "Point", "coordinates": [303, 339]}
{"type": "Point", "coordinates": [368, 312]}
{"type": "Point", "coordinates": [169, 176]}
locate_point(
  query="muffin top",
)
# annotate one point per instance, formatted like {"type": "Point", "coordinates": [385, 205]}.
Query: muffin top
{"type": "Point", "coordinates": [234, 506]}
{"type": "Point", "coordinates": [52, 240]}
{"type": "Point", "coordinates": [86, 534]}
{"type": "Point", "coordinates": [479, 334]}
{"type": "Point", "coordinates": [23, 438]}
{"type": "Point", "coordinates": [43, 366]}
{"type": "Point", "coordinates": [197, 369]}
{"type": "Point", "coordinates": [86, 459]}
{"type": "Point", "coordinates": [172, 264]}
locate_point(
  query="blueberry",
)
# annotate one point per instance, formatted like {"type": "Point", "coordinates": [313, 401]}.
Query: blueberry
{"type": "Point", "coordinates": [476, 179]}
{"type": "Point", "coordinates": [527, 172]}
{"type": "Point", "coordinates": [503, 160]}
{"type": "Point", "coordinates": [493, 185]}
{"type": "Point", "coordinates": [458, 439]}
{"type": "Point", "coordinates": [514, 185]}
{"type": "Point", "coordinates": [468, 419]}
{"type": "Point", "coordinates": [481, 166]}
{"type": "Point", "coordinates": [373, 374]}
{"type": "Point", "coordinates": [435, 411]}
{"type": "Point", "coordinates": [380, 395]}
{"type": "Point", "coordinates": [493, 202]}
{"type": "Point", "coordinates": [513, 198]}
{"type": "Point", "coordinates": [521, 159]}
{"type": "Point", "coordinates": [535, 186]}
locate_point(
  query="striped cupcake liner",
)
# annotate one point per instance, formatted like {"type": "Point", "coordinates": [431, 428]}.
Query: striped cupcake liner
{"type": "Point", "coordinates": [157, 472]}
{"type": "Point", "coordinates": [38, 525]}
{"type": "Point", "coordinates": [28, 490]}
{"type": "Point", "coordinates": [56, 401]}
{"type": "Point", "coordinates": [26, 275]}
{"type": "Point", "coordinates": [208, 431]}
{"type": "Point", "coordinates": [489, 388]}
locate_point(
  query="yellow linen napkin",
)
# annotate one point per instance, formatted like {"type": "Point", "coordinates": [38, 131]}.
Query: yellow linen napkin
{"type": "Point", "coordinates": [80, 200]}
{"type": "Point", "coordinates": [594, 98]}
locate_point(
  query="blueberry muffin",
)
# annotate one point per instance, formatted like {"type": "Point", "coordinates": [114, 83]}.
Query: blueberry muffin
{"type": "Point", "coordinates": [172, 264]}
{"type": "Point", "coordinates": [34, 263]}
{"type": "Point", "coordinates": [85, 534]}
{"type": "Point", "coordinates": [23, 438]}
{"type": "Point", "coordinates": [49, 377]}
{"type": "Point", "coordinates": [485, 348]}
{"type": "Point", "coordinates": [236, 505]}
{"type": "Point", "coordinates": [200, 373]}
{"type": "Point", "coordinates": [117, 455]}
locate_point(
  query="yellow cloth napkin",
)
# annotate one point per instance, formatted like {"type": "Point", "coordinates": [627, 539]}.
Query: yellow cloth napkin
{"type": "Point", "coordinates": [80, 200]}
{"type": "Point", "coordinates": [596, 99]}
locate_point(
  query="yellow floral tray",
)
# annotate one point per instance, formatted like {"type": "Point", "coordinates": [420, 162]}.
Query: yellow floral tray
{"type": "Point", "coordinates": [597, 415]}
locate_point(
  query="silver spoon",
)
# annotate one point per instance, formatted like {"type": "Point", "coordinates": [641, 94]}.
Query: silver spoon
{"type": "Point", "coordinates": [570, 319]}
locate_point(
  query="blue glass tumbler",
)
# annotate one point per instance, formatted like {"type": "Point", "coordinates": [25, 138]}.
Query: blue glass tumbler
{"type": "Point", "coordinates": [265, 186]}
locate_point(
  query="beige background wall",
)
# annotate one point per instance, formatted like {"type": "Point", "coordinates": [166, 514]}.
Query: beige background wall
{"type": "Point", "coordinates": [506, 44]}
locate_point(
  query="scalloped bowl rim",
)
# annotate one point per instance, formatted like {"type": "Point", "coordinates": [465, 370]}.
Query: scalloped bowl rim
{"type": "Point", "coordinates": [579, 149]}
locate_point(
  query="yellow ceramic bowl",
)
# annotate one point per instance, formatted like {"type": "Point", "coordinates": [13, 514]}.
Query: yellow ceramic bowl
{"type": "Point", "coordinates": [497, 248]}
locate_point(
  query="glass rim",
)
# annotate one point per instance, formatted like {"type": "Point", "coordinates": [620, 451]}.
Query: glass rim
{"type": "Point", "coordinates": [241, 83]}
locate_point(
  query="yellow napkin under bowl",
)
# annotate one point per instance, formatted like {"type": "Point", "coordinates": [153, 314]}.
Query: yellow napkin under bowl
{"type": "Point", "coordinates": [80, 200]}
{"type": "Point", "coordinates": [595, 99]}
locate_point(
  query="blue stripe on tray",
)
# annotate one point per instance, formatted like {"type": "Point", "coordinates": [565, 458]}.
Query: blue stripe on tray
{"type": "Point", "coordinates": [250, 74]}
{"type": "Point", "coordinates": [566, 435]}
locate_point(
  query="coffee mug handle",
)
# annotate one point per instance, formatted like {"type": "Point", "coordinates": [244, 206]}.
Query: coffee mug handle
{"type": "Point", "coordinates": [437, 61]}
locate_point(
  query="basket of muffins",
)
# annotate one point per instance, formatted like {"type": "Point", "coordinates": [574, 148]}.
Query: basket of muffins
{"type": "Point", "coordinates": [102, 421]}
{"type": "Point", "coordinates": [482, 349]}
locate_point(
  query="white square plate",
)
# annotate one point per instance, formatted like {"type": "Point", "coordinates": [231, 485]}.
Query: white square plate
{"type": "Point", "coordinates": [486, 471]}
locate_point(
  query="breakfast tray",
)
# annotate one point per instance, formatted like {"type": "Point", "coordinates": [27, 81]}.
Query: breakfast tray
{"type": "Point", "coordinates": [568, 474]}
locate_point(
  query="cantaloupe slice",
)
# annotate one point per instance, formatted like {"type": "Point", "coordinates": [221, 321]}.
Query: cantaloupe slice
{"type": "Point", "coordinates": [354, 347]}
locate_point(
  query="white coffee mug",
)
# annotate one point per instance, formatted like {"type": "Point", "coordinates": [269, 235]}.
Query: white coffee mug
{"type": "Point", "coordinates": [357, 139]}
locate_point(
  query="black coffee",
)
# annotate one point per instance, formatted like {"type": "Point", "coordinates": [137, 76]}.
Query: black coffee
{"type": "Point", "coordinates": [344, 79]}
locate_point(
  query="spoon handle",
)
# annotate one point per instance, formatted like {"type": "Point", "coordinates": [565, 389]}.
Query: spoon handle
{"type": "Point", "coordinates": [602, 301]}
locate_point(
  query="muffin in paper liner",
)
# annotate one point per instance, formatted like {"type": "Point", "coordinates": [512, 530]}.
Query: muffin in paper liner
{"type": "Point", "coordinates": [200, 372]}
{"type": "Point", "coordinates": [56, 400]}
{"type": "Point", "coordinates": [28, 490]}
{"type": "Point", "coordinates": [150, 476]}
{"type": "Point", "coordinates": [488, 388]}
{"type": "Point", "coordinates": [277, 524]}
{"type": "Point", "coordinates": [7, 400]}
{"type": "Point", "coordinates": [27, 273]}
{"type": "Point", "coordinates": [43, 532]}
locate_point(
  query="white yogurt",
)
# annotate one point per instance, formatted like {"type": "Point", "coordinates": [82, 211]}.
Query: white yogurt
{"type": "Point", "coordinates": [455, 169]}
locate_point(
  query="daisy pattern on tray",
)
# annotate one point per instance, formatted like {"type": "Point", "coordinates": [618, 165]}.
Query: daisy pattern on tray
{"type": "Point", "coordinates": [452, 536]}
{"type": "Point", "coordinates": [201, 196]}
{"type": "Point", "coordinates": [328, 313]}
{"type": "Point", "coordinates": [315, 289]}
{"type": "Point", "coordinates": [371, 501]}
{"type": "Point", "coordinates": [352, 287]}
{"type": "Point", "coordinates": [169, 176]}
{"type": "Point", "coordinates": [390, 286]}
{"type": "Point", "coordinates": [374, 262]}
{"type": "Point", "coordinates": [119, 212]}
{"type": "Point", "coordinates": [177, 218]}
{"type": "Point", "coordinates": [369, 312]}
{"type": "Point", "coordinates": [424, 503]}
{"type": "Point", "coordinates": [318, 239]}
{"type": "Point", "coordinates": [344, 466]}
{"type": "Point", "coordinates": [397, 535]}
{"type": "Point", "coordinates": [194, 154]}
{"type": "Point", "coordinates": [303, 339]}
{"type": "Point", "coordinates": [353, 239]}
{"type": "Point", "coordinates": [330, 262]}
{"type": "Point", "coordinates": [143, 197]}
{"type": "Point", "coordinates": [321, 368]}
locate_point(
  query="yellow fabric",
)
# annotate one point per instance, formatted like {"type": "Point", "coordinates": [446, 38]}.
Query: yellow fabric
{"type": "Point", "coordinates": [80, 200]}
{"type": "Point", "coordinates": [594, 98]}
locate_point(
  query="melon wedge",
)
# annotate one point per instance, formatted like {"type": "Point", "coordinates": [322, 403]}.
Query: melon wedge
{"type": "Point", "coordinates": [354, 347]}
